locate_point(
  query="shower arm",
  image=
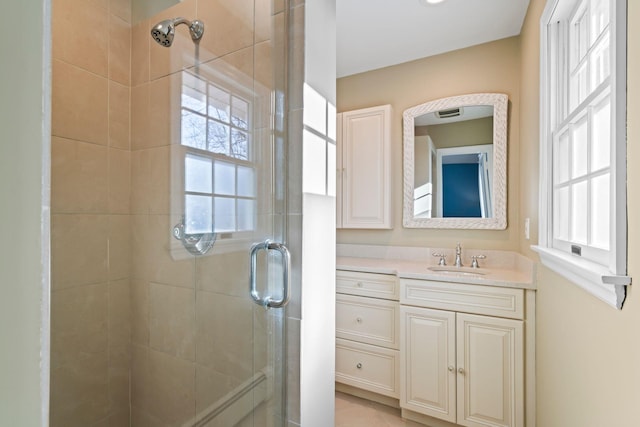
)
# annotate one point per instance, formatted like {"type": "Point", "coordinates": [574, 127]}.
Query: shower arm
{"type": "Point", "coordinates": [196, 28]}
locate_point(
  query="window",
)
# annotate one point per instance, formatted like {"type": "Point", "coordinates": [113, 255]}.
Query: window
{"type": "Point", "coordinates": [219, 174]}
{"type": "Point", "coordinates": [583, 144]}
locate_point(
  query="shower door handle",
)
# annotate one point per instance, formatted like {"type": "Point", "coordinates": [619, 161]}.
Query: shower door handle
{"type": "Point", "coordinates": [268, 301]}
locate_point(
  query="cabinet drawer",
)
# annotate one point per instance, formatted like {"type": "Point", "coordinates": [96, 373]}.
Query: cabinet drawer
{"type": "Point", "coordinates": [476, 299]}
{"type": "Point", "coordinates": [367, 284]}
{"type": "Point", "coordinates": [368, 367]}
{"type": "Point", "coordinates": [368, 320]}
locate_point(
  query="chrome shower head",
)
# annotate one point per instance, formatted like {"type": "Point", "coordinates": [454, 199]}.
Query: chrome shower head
{"type": "Point", "coordinates": [164, 31]}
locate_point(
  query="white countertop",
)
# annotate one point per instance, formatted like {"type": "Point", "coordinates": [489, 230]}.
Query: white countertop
{"type": "Point", "coordinates": [508, 269]}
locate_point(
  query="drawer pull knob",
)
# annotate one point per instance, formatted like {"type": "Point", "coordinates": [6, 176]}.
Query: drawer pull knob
{"type": "Point", "coordinates": [359, 284]}
{"type": "Point", "coordinates": [461, 371]}
{"type": "Point", "coordinates": [451, 368]}
{"type": "Point", "coordinates": [359, 366]}
{"type": "Point", "coordinates": [359, 319]}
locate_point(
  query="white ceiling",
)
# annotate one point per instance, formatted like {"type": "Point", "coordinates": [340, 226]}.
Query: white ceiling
{"type": "Point", "coordinates": [374, 34]}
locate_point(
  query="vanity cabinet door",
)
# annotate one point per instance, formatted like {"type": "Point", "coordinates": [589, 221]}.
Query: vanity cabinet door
{"type": "Point", "coordinates": [427, 364]}
{"type": "Point", "coordinates": [364, 168]}
{"type": "Point", "coordinates": [490, 371]}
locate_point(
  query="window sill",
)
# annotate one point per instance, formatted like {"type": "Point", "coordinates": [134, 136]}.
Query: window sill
{"type": "Point", "coordinates": [593, 278]}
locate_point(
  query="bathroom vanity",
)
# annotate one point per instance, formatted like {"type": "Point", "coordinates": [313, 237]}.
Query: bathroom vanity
{"type": "Point", "coordinates": [448, 345]}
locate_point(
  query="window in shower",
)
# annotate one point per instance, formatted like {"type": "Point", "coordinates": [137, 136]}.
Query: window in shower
{"type": "Point", "coordinates": [219, 174]}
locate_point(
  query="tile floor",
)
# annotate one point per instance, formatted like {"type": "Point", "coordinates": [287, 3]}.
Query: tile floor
{"type": "Point", "coordinates": [352, 411]}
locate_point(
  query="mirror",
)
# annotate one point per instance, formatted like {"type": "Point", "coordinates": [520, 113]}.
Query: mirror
{"type": "Point", "coordinates": [455, 161]}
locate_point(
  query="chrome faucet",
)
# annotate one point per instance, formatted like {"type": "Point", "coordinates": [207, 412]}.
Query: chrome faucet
{"type": "Point", "coordinates": [458, 262]}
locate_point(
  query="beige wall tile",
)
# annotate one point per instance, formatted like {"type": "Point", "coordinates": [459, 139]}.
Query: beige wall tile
{"type": "Point", "coordinates": [139, 313]}
{"type": "Point", "coordinates": [224, 273]}
{"type": "Point", "coordinates": [119, 247]}
{"type": "Point", "coordinates": [211, 386]}
{"type": "Point", "coordinates": [164, 61]}
{"type": "Point", "coordinates": [79, 104]}
{"type": "Point", "coordinates": [140, 39]}
{"type": "Point", "coordinates": [140, 117]}
{"type": "Point", "coordinates": [79, 173]}
{"type": "Point", "coordinates": [78, 250]}
{"type": "Point", "coordinates": [172, 320]}
{"type": "Point", "coordinates": [78, 324]}
{"type": "Point", "coordinates": [79, 391]}
{"type": "Point", "coordinates": [119, 116]}
{"type": "Point", "coordinates": [263, 13]}
{"type": "Point", "coordinates": [119, 181]}
{"type": "Point", "coordinates": [140, 398]}
{"type": "Point", "coordinates": [150, 181]}
{"type": "Point", "coordinates": [171, 388]}
{"type": "Point", "coordinates": [224, 324]}
{"type": "Point", "coordinates": [165, 111]}
{"type": "Point", "coordinates": [121, 8]}
{"type": "Point", "coordinates": [119, 50]}
{"type": "Point", "coordinates": [120, 319]}
{"type": "Point", "coordinates": [153, 260]}
{"type": "Point", "coordinates": [80, 34]}
{"type": "Point", "coordinates": [228, 27]}
{"type": "Point", "coordinates": [119, 364]}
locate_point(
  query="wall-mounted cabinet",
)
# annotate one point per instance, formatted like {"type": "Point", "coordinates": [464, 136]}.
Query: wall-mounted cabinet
{"type": "Point", "coordinates": [364, 175]}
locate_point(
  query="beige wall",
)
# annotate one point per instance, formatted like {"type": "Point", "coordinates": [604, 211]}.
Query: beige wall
{"type": "Point", "coordinates": [491, 67]}
{"type": "Point", "coordinates": [468, 132]}
{"type": "Point", "coordinates": [90, 183]}
{"type": "Point", "coordinates": [588, 354]}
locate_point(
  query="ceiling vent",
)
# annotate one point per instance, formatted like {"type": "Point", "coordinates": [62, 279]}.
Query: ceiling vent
{"type": "Point", "coordinates": [447, 114]}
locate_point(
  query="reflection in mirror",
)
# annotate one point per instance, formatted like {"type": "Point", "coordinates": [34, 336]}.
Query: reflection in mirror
{"type": "Point", "coordinates": [451, 173]}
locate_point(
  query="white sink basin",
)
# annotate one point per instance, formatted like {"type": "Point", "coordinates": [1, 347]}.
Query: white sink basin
{"type": "Point", "coordinates": [460, 271]}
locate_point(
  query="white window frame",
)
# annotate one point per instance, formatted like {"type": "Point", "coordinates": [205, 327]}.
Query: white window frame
{"type": "Point", "coordinates": [606, 282]}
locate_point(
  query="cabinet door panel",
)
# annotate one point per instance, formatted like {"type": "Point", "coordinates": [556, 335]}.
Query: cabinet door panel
{"type": "Point", "coordinates": [366, 136]}
{"type": "Point", "coordinates": [490, 371]}
{"type": "Point", "coordinates": [427, 363]}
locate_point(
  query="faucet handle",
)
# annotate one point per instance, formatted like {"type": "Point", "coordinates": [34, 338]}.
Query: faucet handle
{"type": "Point", "coordinates": [442, 260]}
{"type": "Point", "coordinates": [474, 260]}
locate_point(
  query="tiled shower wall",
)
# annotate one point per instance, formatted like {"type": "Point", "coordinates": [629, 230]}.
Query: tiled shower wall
{"type": "Point", "coordinates": [193, 322]}
{"type": "Point", "coordinates": [127, 317]}
{"type": "Point", "coordinates": [91, 256]}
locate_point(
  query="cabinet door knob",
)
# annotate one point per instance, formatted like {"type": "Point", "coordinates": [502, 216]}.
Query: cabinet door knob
{"type": "Point", "coordinates": [461, 371]}
{"type": "Point", "coordinates": [359, 366]}
{"type": "Point", "coordinates": [451, 368]}
{"type": "Point", "coordinates": [359, 319]}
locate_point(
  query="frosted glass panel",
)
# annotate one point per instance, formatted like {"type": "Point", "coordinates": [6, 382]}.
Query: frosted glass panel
{"type": "Point", "coordinates": [197, 214]}
{"type": "Point", "coordinates": [246, 214]}
{"type": "Point", "coordinates": [601, 136]}
{"type": "Point", "coordinates": [225, 214]}
{"type": "Point", "coordinates": [197, 171]}
{"type": "Point", "coordinates": [600, 203]}
{"type": "Point", "coordinates": [246, 182]}
{"type": "Point", "coordinates": [314, 163]}
{"type": "Point", "coordinates": [561, 159]}
{"type": "Point", "coordinates": [561, 214]}
{"type": "Point", "coordinates": [193, 130]}
{"type": "Point", "coordinates": [579, 213]}
{"type": "Point", "coordinates": [224, 178]}
{"type": "Point", "coordinates": [331, 166]}
{"type": "Point", "coordinates": [580, 149]}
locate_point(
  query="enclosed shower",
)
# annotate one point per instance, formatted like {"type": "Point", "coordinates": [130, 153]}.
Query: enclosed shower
{"type": "Point", "coordinates": [171, 214]}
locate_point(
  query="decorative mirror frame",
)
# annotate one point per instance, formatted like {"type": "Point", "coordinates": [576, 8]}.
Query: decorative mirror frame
{"type": "Point", "coordinates": [499, 102]}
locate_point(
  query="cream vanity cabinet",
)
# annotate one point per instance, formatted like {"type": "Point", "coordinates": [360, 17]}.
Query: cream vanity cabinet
{"type": "Point", "coordinates": [462, 353]}
{"type": "Point", "coordinates": [363, 162]}
{"type": "Point", "coordinates": [367, 332]}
